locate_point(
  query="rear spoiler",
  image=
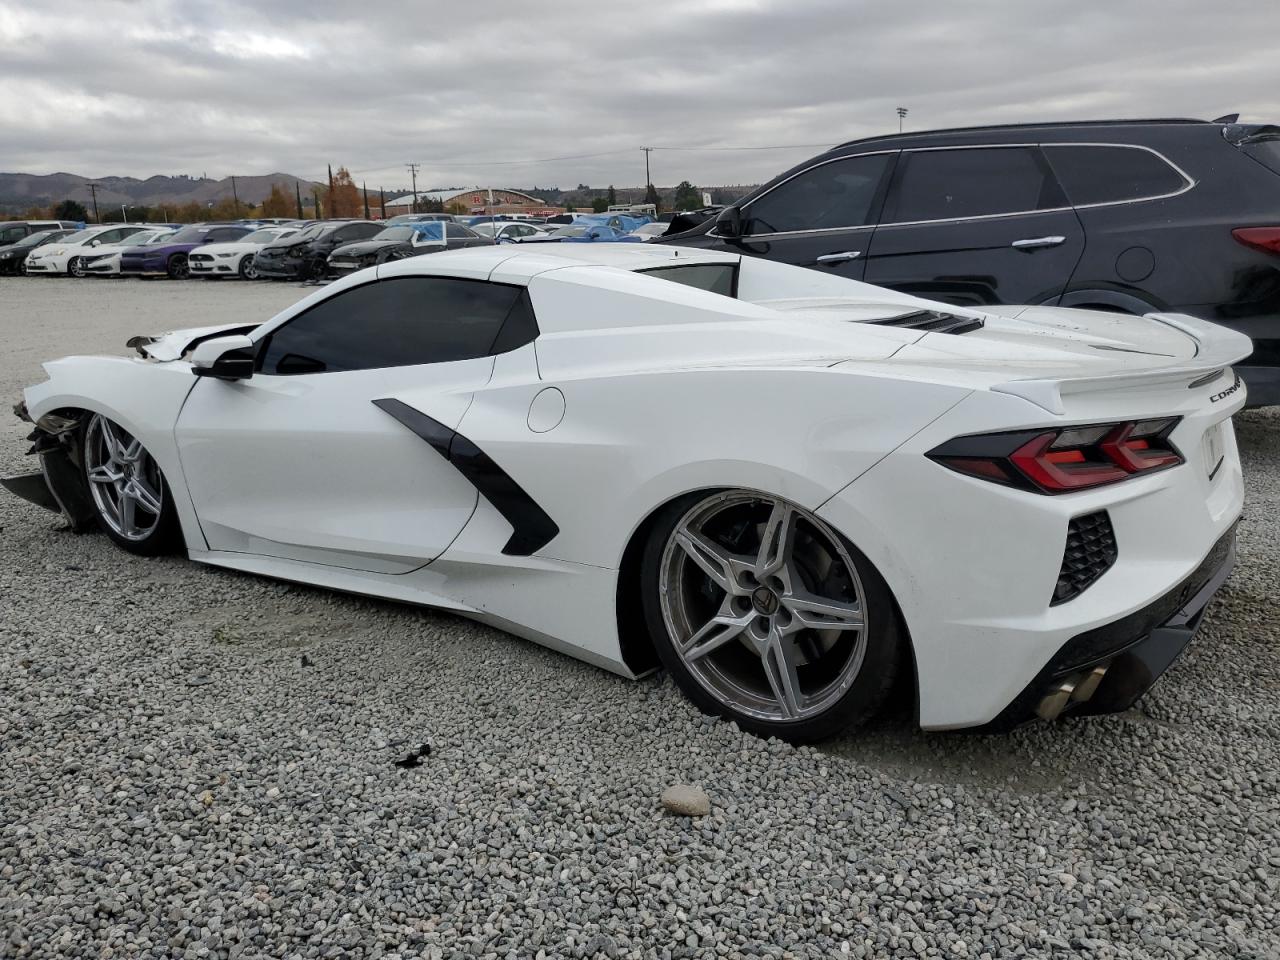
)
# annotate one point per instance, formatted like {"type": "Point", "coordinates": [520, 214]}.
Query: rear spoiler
{"type": "Point", "coordinates": [1216, 349]}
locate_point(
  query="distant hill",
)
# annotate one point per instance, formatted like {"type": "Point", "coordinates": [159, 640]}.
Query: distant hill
{"type": "Point", "coordinates": [20, 191]}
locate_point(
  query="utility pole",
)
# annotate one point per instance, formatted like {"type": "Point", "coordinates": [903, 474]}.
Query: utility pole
{"type": "Point", "coordinates": [365, 187]}
{"type": "Point", "coordinates": [647, 179]}
{"type": "Point", "coordinates": [93, 189]}
{"type": "Point", "coordinates": [413, 173]}
{"type": "Point", "coordinates": [297, 193]}
{"type": "Point", "coordinates": [902, 113]}
{"type": "Point", "coordinates": [235, 196]}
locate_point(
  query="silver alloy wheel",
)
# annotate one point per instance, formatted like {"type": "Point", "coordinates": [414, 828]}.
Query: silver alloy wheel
{"type": "Point", "coordinates": [247, 270]}
{"type": "Point", "coordinates": [123, 479]}
{"type": "Point", "coordinates": [763, 605]}
{"type": "Point", "coordinates": [76, 267]}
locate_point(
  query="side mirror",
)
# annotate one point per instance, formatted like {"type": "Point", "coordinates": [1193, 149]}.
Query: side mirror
{"type": "Point", "coordinates": [224, 358]}
{"type": "Point", "coordinates": [94, 243]}
{"type": "Point", "coordinates": [729, 223]}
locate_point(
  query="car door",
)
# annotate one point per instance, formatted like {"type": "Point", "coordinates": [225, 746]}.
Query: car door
{"type": "Point", "coordinates": [976, 225]}
{"type": "Point", "coordinates": [822, 217]}
{"type": "Point", "coordinates": [300, 462]}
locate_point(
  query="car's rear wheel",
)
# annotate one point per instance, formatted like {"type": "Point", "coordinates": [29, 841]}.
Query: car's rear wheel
{"type": "Point", "coordinates": [247, 270]}
{"type": "Point", "coordinates": [129, 492]}
{"type": "Point", "coordinates": [75, 267]}
{"type": "Point", "coordinates": [178, 268]}
{"type": "Point", "coordinates": [766, 615]}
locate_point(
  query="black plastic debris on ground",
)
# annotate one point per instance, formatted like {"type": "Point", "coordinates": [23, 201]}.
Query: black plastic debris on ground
{"type": "Point", "coordinates": [415, 758]}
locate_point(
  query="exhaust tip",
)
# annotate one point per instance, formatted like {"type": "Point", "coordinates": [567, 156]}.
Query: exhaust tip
{"type": "Point", "coordinates": [1076, 688]}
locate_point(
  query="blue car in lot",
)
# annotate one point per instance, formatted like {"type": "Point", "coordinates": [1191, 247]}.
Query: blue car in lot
{"type": "Point", "coordinates": [582, 232]}
{"type": "Point", "coordinates": [169, 258]}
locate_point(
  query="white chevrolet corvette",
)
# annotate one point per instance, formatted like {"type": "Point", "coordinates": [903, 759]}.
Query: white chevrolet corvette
{"type": "Point", "coordinates": [790, 489]}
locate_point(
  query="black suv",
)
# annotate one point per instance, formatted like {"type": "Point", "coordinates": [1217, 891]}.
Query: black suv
{"type": "Point", "coordinates": [1131, 216]}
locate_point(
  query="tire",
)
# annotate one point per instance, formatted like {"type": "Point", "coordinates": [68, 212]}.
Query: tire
{"type": "Point", "coordinates": [178, 268]}
{"type": "Point", "coordinates": [246, 269]}
{"type": "Point", "coordinates": [22, 267]}
{"type": "Point", "coordinates": [75, 267]}
{"type": "Point", "coordinates": [807, 644]}
{"type": "Point", "coordinates": [130, 496]}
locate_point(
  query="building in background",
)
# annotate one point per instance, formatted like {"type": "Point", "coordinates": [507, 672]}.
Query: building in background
{"type": "Point", "coordinates": [475, 200]}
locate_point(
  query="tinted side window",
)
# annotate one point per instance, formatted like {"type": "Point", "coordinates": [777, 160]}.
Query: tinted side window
{"type": "Point", "coordinates": [1266, 152]}
{"type": "Point", "coordinates": [455, 232]}
{"type": "Point", "coordinates": [830, 195]}
{"type": "Point", "coordinates": [394, 323]}
{"type": "Point", "coordinates": [1092, 174]}
{"type": "Point", "coordinates": [947, 184]}
{"type": "Point", "coordinates": [10, 234]}
{"type": "Point", "coordinates": [721, 278]}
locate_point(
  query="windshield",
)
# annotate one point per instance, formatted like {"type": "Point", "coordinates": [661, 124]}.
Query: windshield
{"type": "Point", "coordinates": [80, 236]}
{"type": "Point", "coordinates": [190, 235]}
{"type": "Point", "coordinates": [569, 232]}
{"type": "Point", "coordinates": [394, 233]}
{"type": "Point", "coordinates": [31, 239]}
{"type": "Point", "coordinates": [137, 239]}
{"type": "Point", "coordinates": [487, 229]}
{"type": "Point", "coordinates": [310, 232]}
{"type": "Point", "coordinates": [158, 238]}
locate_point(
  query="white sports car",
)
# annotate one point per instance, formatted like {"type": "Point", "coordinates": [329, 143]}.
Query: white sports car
{"type": "Point", "coordinates": [234, 258]}
{"type": "Point", "coordinates": [790, 489]}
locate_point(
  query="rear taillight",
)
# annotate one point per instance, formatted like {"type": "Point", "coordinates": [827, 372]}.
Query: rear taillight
{"type": "Point", "coordinates": [1066, 459]}
{"type": "Point", "coordinates": [1266, 239]}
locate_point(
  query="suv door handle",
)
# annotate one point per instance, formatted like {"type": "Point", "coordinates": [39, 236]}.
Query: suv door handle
{"type": "Point", "coordinates": [839, 257]}
{"type": "Point", "coordinates": [1035, 243]}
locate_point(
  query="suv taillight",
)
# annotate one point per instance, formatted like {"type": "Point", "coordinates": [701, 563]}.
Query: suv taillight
{"type": "Point", "coordinates": [1064, 460]}
{"type": "Point", "coordinates": [1266, 239]}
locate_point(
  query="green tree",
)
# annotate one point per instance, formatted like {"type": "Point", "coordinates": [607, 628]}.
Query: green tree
{"type": "Point", "coordinates": [613, 195]}
{"type": "Point", "coordinates": [600, 204]}
{"type": "Point", "coordinates": [687, 196]}
{"type": "Point", "coordinates": [651, 196]}
{"type": "Point", "coordinates": [70, 210]}
{"type": "Point", "coordinates": [569, 208]}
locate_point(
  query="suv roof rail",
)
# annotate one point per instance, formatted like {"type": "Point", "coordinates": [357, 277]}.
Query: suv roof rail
{"type": "Point", "coordinates": [1024, 126]}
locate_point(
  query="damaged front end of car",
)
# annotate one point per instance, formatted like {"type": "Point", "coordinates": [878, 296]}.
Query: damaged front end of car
{"type": "Point", "coordinates": [59, 483]}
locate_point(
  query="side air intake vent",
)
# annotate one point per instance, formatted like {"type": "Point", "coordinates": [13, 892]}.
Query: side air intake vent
{"type": "Point", "coordinates": [1090, 552]}
{"type": "Point", "coordinates": [933, 321]}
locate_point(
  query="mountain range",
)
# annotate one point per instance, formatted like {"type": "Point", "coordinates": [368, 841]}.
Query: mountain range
{"type": "Point", "coordinates": [21, 191]}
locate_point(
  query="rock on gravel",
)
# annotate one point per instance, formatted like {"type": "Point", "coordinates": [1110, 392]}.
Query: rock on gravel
{"type": "Point", "coordinates": [686, 801]}
{"type": "Point", "coordinates": [264, 814]}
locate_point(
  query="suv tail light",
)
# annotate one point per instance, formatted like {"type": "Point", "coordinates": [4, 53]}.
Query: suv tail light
{"type": "Point", "coordinates": [1266, 239]}
{"type": "Point", "coordinates": [1064, 460]}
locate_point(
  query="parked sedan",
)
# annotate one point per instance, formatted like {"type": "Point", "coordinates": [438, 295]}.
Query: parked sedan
{"type": "Point", "coordinates": [105, 260]}
{"type": "Point", "coordinates": [234, 258]}
{"type": "Point", "coordinates": [509, 231]}
{"type": "Point", "coordinates": [404, 240]}
{"type": "Point", "coordinates": [13, 256]}
{"type": "Point", "coordinates": [305, 255]}
{"type": "Point", "coordinates": [58, 258]}
{"type": "Point", "coordinates": [169, 259]}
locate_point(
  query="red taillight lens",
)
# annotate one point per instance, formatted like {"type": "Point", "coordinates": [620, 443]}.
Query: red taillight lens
{"type": "Point", "coordinates": [1266, 239]}
{"type": "Point", "coordinates": [1061, 461]}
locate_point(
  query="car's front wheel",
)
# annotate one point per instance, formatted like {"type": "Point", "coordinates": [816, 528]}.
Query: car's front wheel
{"type": "Point", "coordinates": [75, 267]}
{"type": "Point", "coordinates": [766, 615]}
{"type": "Point", "coordinates": [178, 268]}
{"type": "Point", "coordinates": [129, 493]}
{"type": "Point", "coordinates": [247, 270]}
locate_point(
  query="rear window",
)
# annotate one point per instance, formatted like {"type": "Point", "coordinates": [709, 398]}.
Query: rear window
{"type": "Point", "coordinates": [1266, 152]}
{"type": "Point", "coordinates": [721, 278]}
{"type": "Point", "coordinates": [955, 184]}
{"type": "Point", "coordinates": [1101, 174]}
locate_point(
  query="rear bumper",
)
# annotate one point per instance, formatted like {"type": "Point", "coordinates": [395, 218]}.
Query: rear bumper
{"type": "Point", "coordinates": [1119, 662]}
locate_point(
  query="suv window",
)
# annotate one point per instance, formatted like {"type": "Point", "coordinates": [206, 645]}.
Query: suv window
{"type": "Point", "coordinates": [1266, 152]}
{"type": "Point", "coordinates": [835, 194]}
{"type": "Point", "coordinates": [1105, 174]}
{"type": "Point", "coordinates": [399, 322]}
{"type": "Point", "coordinates": [980, 182]}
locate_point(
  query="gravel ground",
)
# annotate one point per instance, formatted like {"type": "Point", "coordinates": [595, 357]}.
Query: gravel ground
{"type": "Point", "coordinates": [198, 763]}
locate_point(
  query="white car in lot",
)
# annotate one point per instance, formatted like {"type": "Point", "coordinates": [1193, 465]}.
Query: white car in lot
{"type": "Point", "coordinates": [791, 489]}
{"type": "Point", "coordinates": [234, 258]}
{"type": "Point", "coordinates": [65, 257]}
{"type": "Point", "coordinates": [509, 231]}
{"type": "Point", "coordinates": [104, 261]}
{"type": "Point", "coordinates": [649, 231]}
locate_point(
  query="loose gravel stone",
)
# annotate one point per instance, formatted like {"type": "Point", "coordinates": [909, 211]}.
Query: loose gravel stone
{"type": "Point", "coordinates": [264, 814]}
{"type": "Point", "coordinates": [686, 801]}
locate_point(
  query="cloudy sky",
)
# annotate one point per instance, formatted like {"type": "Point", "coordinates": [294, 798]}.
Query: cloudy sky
{"type": "Point", "coordinates": [559, 92]}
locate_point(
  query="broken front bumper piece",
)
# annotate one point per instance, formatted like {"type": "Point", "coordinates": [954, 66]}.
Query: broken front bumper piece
{"type": "Point", "coordinates": [59, 483]}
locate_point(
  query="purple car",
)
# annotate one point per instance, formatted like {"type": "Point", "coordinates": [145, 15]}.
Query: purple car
{"type": "Point", "coordinates": [169, 258]}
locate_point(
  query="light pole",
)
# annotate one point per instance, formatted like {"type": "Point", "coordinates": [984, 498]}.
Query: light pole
{"type": "Point", "coordinates": [902, 113]}
{"type": "Point", "coordinates": [124, 214]}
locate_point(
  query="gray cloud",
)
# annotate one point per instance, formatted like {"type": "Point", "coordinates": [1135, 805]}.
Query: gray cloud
{"type": "Point", "coordinates": [159, 86]}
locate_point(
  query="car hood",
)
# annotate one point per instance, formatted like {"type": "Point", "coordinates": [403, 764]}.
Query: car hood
{"type": "Point", "coordinates": [228, 246]}
{"type": "Point", "coordinates": [360, 248]}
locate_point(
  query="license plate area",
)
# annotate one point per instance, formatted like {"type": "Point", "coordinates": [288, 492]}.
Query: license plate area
{"type": "Point", "coordinates": [1211, 448]}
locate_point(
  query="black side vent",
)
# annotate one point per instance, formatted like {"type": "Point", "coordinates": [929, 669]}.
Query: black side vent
{"type": "Point", "coordinates": [931, 320]}
{"type": "Point", "coordinates": [1090, 552]}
